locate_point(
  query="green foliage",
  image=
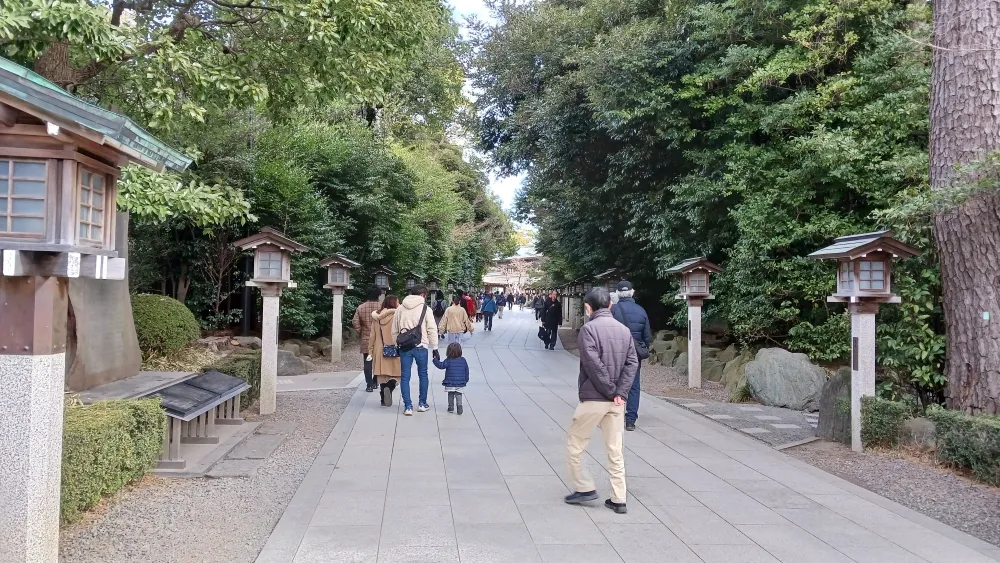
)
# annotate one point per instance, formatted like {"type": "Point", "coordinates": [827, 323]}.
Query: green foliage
{"type": "Point", "coordinates": [969, 442]}
{"type": "Point", "coordinates": [244, 364]}
{"type": "Point", "coordinates": [153, 197]}
{"type": "Point", "coordinates": [163, 325]}
{"type": "Point", "coordinates": [652, 131]}
{"type": "Point", "coordinates": [105, 446]}
{"type": "Point", "coordinates": [882, 421]}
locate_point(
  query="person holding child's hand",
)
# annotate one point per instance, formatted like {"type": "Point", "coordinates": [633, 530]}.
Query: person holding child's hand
{"type": "Point", "coordinates": [456, 375]}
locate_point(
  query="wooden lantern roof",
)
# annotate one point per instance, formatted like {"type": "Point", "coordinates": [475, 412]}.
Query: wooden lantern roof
{"type": "Point", "coordinates": [607, 274]}
{"type": "Point", "coordinates": [433, 279]}
{"type": "Point", "coordinates": [691, 264]}
{"type": "Point", "coordinates": [384, 270]}
{"type": "Point", "coordinates": [267, 235]}
{"type": "Point", "coordinates": [853, 247]}
{"type": "Point", "coordinates": [339, 260]}
{"type": "Point", "coordinates": [24, 91]}
{"type": "Point", "coordinates": [414, 275]}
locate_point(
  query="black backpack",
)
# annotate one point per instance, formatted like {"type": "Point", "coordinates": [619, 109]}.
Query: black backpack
{"type": "Point", "coordinates": [409, 338]}
{"type": "Point", "coordinates": [439, 308]}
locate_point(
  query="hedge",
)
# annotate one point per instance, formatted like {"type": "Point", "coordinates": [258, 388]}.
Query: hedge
{"type": "Point", "coordinates": [105, 446]}
{"type": "Point", "coordinates": [244, 364]}
{"type": "Point", "coordinates": [882, 421]}
{"type": "Point", "coordinates": [163, 325]}
{"type": "Point", "coordinates": [969, 442]}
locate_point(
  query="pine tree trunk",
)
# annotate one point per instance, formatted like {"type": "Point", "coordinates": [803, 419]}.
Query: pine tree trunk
{"type": "Point", "coordinates": [965, 128]}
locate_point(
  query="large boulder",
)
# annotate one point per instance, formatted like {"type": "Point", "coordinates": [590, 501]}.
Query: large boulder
{"type": "Point", "coordinates": [251, 342]}
{"type": "Point", "coordinates": [709, 352]}
{"type": "Point", "coordinates": [681, 361]}
{"type": "Point", "coordinates": [327, 350]}
{"type": "Point", "coordinates": [835, 408]}
{"type": "Point", "coordinates": [728, 355]}
{"type": "Point", "coordinates": [306, 351]}
{"type": "Point", "coordinates": [779, 378]}
{"type": "Point", "coordinates": [290, 347]}
{"type": "Point", "coordinates": [733, 373]}
{"type": "Point", "coordinates": [320, 342]}
{"type": "Point", "coordinates": [681, 344]}
{"type": "Point", "coordinates": [290, 364]}
{"type": "Point", "coordinates": [919, 432]}
{"type": "Point", "coordinates": [660, 346]}
{"type": "Point", "coordinates": [667, 357]}
{"type": "Point", "coordinates": [665, 335]}
{"type": "Point", "coordinates": [711, 369]}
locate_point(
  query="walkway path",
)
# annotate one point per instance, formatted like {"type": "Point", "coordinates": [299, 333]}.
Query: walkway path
{"type": "Point", "coordinates": [487, 486]}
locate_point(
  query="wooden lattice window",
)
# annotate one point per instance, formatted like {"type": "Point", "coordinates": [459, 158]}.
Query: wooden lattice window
{"type": "Point", "coordinates": [338, 275]}
{"type": "Point", "coordinates": [698, 283]}
{"type": "Point", "coordinates": [871, 276]}
{"type": "Point", "coordinates": [22, 197]}
{"type": "Point", "coordinates": [93, 188]}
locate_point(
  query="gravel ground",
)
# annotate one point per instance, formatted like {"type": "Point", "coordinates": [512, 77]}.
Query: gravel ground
{"type": "Point", "coordinates": [208, 520]}
{"type": "Point", "coordinates": [915, 481]}
{"type": "Point", "coordinates": [350, 360]}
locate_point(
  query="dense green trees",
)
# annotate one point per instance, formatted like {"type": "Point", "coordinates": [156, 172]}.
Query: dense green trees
{"type": "Point", "coordinates": [749, 132]}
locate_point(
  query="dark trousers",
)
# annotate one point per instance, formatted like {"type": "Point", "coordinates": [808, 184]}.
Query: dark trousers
{"type": "Point", "coordinates": [487, 321]}
{"type": "Point", "coordinates": [632, 403]}
{"type": "Point", "coordinates": [551, 335]}
{"type": "Point", "coordinates": [538, 314]}
{"type": "Point", "coordinates": [369, 378]}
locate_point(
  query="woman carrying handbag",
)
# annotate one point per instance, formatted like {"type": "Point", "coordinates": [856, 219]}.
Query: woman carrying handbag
{"type": "Point", "coordinates": [382, 350]}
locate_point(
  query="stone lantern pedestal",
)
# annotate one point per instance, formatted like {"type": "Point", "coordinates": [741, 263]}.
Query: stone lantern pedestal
{"type": "Point", "coordinates": [695, 290]}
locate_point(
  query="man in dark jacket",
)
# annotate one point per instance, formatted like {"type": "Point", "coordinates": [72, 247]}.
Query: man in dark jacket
{"type": "Point", "coordinates": [632, 315]}
{"type": "Point", "coordinates": [551, 319]}
{"type": "Point", "coordinates": [607, 367]}
{"type": "Point", "coordinates": [538, 304]}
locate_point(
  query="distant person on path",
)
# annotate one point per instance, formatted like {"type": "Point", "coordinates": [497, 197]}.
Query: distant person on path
{"type": "Point", "coordinates": [385, 368]}
{"type": "Point", "coordinates": [362, 323]}
{"type": "Point", "coordinates": [489, 309]}
{"type": "Point", "coordinates": [510, 301]}
{"type": "Point", "coordinates": [469, 304]}
{"type": "Point", "coordinates": [607, 367]}
{"type": "Point", "coordinates": [501, 301]}
{"type": "Point", "coordinates": [456, 375]}
{"type": "Point", "coordinates": [521, 300]}
{"type": "Point", "coordinates": [551, 319]}
{"type": "Point", "coordinates": [633, 316]}
{"type": "Point", "coordinates": [456, 325]}
{"type": "Point", "coordinates": [439, 306]}
{"type": "Point", "coordinates": [414, 314]}
{"type": "Point", "coordinates": [538, 304]}
{"type": "Point", "coordinates": [479, 307]}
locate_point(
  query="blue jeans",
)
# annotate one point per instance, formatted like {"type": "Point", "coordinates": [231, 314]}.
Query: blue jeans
{"type": "Point", "coordinates": [406, 360]}
{"type": "Point", "coordinates": [487, 321]}
{"type": "Point", "coordinates": [632, 403]}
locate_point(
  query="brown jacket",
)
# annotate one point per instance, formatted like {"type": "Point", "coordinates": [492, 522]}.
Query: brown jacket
{"type": "Point", "coordinates": [607, 358]}
{"type": "Point", "coordinates": [381, 334]}
{"type": "Point", "coordinates": [456, 321]}
{"type": "Point", "coordinates": [363, 322]}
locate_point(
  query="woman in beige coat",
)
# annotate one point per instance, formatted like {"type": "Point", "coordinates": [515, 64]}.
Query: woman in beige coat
{"type": "Point", "coordinates": [455, 325]}
{"type": "Point", "coordinates": [386, 370]}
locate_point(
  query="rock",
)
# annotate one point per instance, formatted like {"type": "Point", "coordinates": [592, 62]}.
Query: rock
{"type": "Point", "coordinates": [919, 432]}
{"type": "Point", "coordinates": [733, 372]}
{"type": "Point", "coordinates": [665, 336]}
{"type": "Point", "coordinates": [295, 341]}
{"type": "Point", "coordinates": [711, 369]}
{"type": "Point", "coordinates": [306, 351]}
{"type": "Point", "coordinates": [707, 352]}
{"type": "Point", "coordinates": [667, 357]}
{"type": "Point", "coordinates": [835, 408]}
{"type": "Point", "coordinates": [681, 344]}
{"type": "Point", "coordinates": [290, 364]}
{"type": "Point", "coordinates": [320, 342]}
{"type": "Point", "coordinates": [659, 346]}
{"type": "Point", "coordinates": [248, 341]}
{"type": "Point", "coordinates": [327, 350]}
{"type": "Point", "coordinates": [310, 367]}
{"type": "Point", "coordinates": [291, 348]}
{"type": "Point", "coordinates": [681, 361]}
{"type": "Point", "coordinates": [779, 378]}
{"type": "Point", "coordinates": [728, 355]}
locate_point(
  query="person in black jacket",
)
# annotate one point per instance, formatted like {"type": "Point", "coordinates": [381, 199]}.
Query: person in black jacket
{"type": "Point", "coordinates": [632, 315]}
{"type": "Point", "coordinates": [551, 319]}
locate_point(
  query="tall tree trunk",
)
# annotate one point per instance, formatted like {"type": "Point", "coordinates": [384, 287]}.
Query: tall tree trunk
{"type": "Point", "coordinates": [965, 128]}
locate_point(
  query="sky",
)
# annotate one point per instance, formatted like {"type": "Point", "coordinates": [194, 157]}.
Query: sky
{"type": "Point", "coordinates": [505, 188]}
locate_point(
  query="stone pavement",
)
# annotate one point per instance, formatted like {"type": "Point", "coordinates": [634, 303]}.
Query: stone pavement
{"type": "Point", "coordinates": [487, 486]}
{"type": "Point", "coordinates": [776, 426]}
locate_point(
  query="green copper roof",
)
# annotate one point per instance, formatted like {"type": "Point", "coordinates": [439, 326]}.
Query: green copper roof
{"type": "Point", "coordinates": [124, 134]}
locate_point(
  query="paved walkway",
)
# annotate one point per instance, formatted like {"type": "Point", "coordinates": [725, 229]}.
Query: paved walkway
{"type": "Point", "coordinates": [487, 486]}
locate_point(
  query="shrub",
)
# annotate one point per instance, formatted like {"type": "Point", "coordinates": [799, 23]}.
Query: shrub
{"type": "Point", "coordinates": [163, 325]}
{"type": "Point", "coordinates": [105, 446]}
{"type": "Point", "coordinates": [969, 442]}
{"type": "Point", "coordinates": [882, 421]}
{"type": "Point", "coordinates": [244, 364]}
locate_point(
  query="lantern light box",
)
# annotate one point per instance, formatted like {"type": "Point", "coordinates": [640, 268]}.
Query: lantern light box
{"type": "Point", "coordinates": [864, 269]}
{"type": "Point", "coordinates": [338, 271]}
{"type": "Point", "coordinates": [433, 283]}
{"type": "Point", "coordinates": [272, 257]}
{"type": "Point", "coordinates": [413, 279]}
{"type": "Point", "coordinates": [382, 277]}
{"type": "Point", "coordinates": [694, 277]}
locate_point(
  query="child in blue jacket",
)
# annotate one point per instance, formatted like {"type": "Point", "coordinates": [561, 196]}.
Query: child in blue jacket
{"type": "Point", "coordinates": [456, 375]}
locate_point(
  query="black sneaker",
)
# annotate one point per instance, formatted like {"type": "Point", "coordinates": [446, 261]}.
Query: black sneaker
{"type": "Point", "coordinates": [459, 407]}
{"type": "Point", "coordinates": [577, 498]}
{"type": "Point", "coordinates": [618, 507]}
{"type": "Point", "coordinates": [387, 396]}
{"type": "Point", "coordinates": [630, 426]}
{"type": "Point", "coordinates": [451, 408]}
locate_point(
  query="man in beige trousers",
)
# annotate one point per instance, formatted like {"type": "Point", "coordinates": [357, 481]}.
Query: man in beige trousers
{"type": "Point", "coordinates": [607, 367]}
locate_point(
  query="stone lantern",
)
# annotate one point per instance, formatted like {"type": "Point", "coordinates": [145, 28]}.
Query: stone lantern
{"type": "Point", "coordinates": [272, 253]}
{"type": "Point", "coordinates": [433, 283]}
{"type": "Point", "coordinates": [413, 279]}
{"type": "Point", "coordinates": [695, 290]}
{"type": "Point", "coordinates": [338, 279]}
{"type": "Point", "coordinates": [864, 268]}
{"type": "Point", "coordinates": [383, 280]}
{"type": "Point", "coordinates": [60, 160]}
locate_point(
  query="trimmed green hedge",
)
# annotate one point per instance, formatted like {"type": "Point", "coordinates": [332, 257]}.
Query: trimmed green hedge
{"type": "Point", "coordinates": [163, 325]}
{"type": "Point", "coordinates": [105, 446]}
{"type": "Point", "coordinates": [244, 364]}
{"type": "Point", "coordinates": [882, 421]}
{"type": "Point", "coordinates": [969, 442]}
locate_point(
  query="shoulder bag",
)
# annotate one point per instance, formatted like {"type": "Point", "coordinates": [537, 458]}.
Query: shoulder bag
{"type": "Point", "coordinates": [409, 338]}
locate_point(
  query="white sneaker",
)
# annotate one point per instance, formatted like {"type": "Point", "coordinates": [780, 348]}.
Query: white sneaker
{"type": "Point", "coordinates": [423, 408]}
{"type": "Point", "coordinates": [408, 412]}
